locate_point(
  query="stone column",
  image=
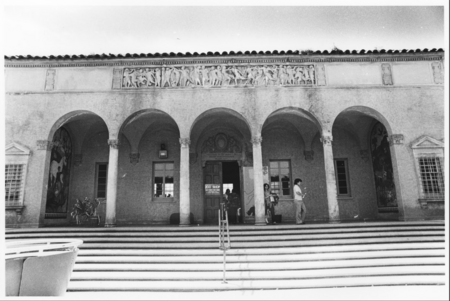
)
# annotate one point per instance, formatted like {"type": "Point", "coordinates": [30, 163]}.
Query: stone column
{"type": "Point", "coordinates": [111, 189]}
{"type": "Point", "coordinates": [258, 181]}
{"type": "Point", "coordinates": [333, 206]}
{"type": "Point", "coordinates": [185, 204]}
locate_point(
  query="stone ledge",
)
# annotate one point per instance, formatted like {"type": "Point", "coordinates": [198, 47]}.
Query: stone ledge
{"type": "Point", "coordinates": [17, 208]}
{"type": "Point", "coordinates": [424, 202]}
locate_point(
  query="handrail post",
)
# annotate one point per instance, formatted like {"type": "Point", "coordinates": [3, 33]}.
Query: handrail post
{"type": "Point", "coordinates": [223, 226]}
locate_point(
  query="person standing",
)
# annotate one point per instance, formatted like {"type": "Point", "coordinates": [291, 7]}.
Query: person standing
{"type": "Point", "coordinates": [300, 211]}
{"type": "Point", "coordinates": [269, 204]}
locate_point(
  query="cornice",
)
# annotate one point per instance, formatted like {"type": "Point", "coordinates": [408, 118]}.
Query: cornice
{"type": "Point", "coordinates": [225, 60]}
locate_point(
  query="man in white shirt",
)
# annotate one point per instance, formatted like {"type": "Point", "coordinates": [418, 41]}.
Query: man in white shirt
{"type": "Point", "coordinates": [300, 211]}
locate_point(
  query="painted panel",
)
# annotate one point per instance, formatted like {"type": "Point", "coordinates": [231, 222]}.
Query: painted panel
{"type": "Point", "coordinates": [357, 74]}
{"type": "Point", "coordinates": [59, 175]}
{"type": "Point", "coordinates": [412, 73]}
{"type": "Point", "coordinates": [21, 79]}
{"type": "Point", "coordinates": [84, 79]}
{"type": "Point", "coordinates": [382, 167]}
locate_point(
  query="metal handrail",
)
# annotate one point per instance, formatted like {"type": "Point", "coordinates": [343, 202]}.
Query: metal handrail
{"type": "Point", "coordinates": [224, 232]}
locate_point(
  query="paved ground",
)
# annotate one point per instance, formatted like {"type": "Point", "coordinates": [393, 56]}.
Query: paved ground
{"type": "Point", "coordinates": [360, 293]}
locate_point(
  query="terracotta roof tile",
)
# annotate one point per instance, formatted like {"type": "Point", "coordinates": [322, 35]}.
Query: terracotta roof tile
{"type": "Point", "coordinates": [223, 54]}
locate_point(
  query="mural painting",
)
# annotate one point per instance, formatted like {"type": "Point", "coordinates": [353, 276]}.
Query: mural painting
{"type": "Point", "coordinates": [59, 174]}
{"type": "Point", "coordinates": [382, 167]}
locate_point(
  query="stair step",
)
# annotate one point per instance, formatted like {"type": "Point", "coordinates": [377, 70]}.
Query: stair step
{"type": "Point", "coordinates": [234, 234]}
{"type": "Point", "coordinates": [254, 284]}
{"type": "Point", "coordinates": [258, 244]}
{"type": "Point", "coordinates": [247, 266]}
{"type": "Point", "coordinates": [259, 275]}
{"type": "Point", "coordinates": [259, 251]}
{"type": "Point", "coordinates": [261, 258]}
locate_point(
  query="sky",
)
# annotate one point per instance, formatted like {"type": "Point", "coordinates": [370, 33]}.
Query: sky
{"type": "Point", "coordinates": [46, 28]}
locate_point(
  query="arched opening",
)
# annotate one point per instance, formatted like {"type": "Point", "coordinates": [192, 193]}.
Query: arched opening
{"type": "Point", "coordinates": [364, 166]}
{"type": "Point", "coordinates": [291, 148]}
{"type": "Point", "coordinates": [148, 190]}
{"type": "Point", "coordinates": [76, 140]}
{"type": "Point", "coordinates": [220, 155]}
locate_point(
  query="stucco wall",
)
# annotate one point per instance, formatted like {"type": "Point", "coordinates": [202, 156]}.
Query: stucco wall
{"type": "Point", "coordinates": [413, 106]}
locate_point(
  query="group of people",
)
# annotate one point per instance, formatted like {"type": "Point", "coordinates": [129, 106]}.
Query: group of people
{"type": "Point", "coordinates": [218, 76]}
{"type": "Point", "coordinates": [271, 200]}
{"type": "Point", "coordinates": [232, 204]}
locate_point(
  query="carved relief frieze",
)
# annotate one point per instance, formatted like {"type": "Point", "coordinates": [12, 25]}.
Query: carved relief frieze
{"type": "Point", "coordinates": [50, 80]}
{"type": "Point", "coordinates": [387, 74]}
{"type": "Point", "coordinates": [221, 143]}
{"type": "Point", "coordinates": [44, 145]}
{"type": "Point", "coordinates": [438, 72]}
{"type": "Point", "coordinates": [396, 139]}
{"type": "Point", "coordinates": [217, 76]}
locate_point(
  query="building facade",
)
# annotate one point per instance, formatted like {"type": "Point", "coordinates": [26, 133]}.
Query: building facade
{"type": "Point", "coordinates": [153, 136]}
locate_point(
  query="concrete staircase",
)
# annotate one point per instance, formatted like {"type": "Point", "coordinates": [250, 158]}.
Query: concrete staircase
{"type": "Point", "coordinates": [187, 259]}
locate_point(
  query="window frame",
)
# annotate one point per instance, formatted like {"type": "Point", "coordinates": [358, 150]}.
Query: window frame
{"type": "Point", "coordinates": [162, 198]}
{"type": "Point", "coordinates": [97, 165]}
{"type": "Point", "coordinates": [17, 154]}
{"type": "Point", "coordinates": [422, 179]}
{"type": "Point", "coordinates": [428, 147]}
{"type": "Point", "coordinates": [280, 194]}
{"type": "Point", "coordinates": [347, 178]}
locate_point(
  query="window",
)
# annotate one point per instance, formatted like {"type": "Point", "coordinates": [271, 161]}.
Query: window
{"type": "Point", "coordinates": [102, 180]}
{"type": "Point", "coordinates": [13, 183]}
{"type": "Point", "coordinates": [16, 162]}
{"type": "Point", "coordinates": [342, 180]}
{"type": "Point", "coordinates": [163, 180]}
{"type": "Point", "coordinates": [432, 177]}
{"type": "Point", "coordinates": [429, 160]}
{"type": "Point", "coordinates": [280, 177]}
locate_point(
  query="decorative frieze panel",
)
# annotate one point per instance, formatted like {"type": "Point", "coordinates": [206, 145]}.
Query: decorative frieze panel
{"type": "Point", "coordinates": [44, 145]}
{"type": "Point", "coordinates": [321, 78]}
{"type": "Point", "coordinates": [50, 80]}
{"type": "Point", "coordinates": [387, 74]}
{"type": "Point", "coordinates": [396, 139]}
{"type": "Point", "coordinates": [438, 72]}
{"type": "Point", "coordinates": [216, 76]}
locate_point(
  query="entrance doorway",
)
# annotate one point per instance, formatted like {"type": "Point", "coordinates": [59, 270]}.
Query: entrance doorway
{"type": "Point", "coordinates": [218, 177]}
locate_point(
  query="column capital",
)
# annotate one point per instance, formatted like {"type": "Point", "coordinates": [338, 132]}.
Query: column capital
{"type": "Point", "coordinates": [44, 145]}
{"type": "Point", "coordinates": [396, 139]}
{"type": "Point", "coordinates": [326, 139]}
{"type": "Point", "coordinates": [185, 142]}
{"type": "Point", "coordinates": [114, 143]}
{"type": "Point", "coordinates": [256, 140]}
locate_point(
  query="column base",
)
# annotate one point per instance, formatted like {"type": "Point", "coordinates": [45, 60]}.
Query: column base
{"type": "Point", "coordinates": [110, 225]}
{"type": "Point", "coordinates": [184, 225]}
{"type": "Point", "coordinates": [336, 221]}
{"type": "Point", "coordinates": [260, 223]}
